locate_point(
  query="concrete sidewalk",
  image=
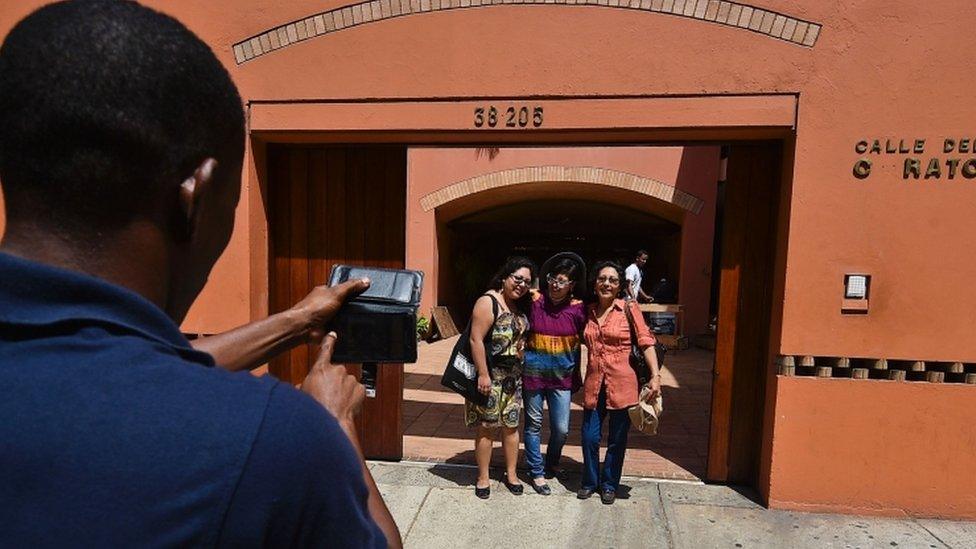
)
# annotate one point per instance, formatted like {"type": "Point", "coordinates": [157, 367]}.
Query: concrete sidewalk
{"type": "Point", "coordinates": [435, 506]}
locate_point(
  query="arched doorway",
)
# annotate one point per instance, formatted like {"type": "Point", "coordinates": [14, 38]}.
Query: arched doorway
{"type": "Point", "coordinates": [747, 268]}
{"type": "Point", "coordinates": [601, 214]}
{"type": "Point", "coordinates": [473, 246]}
{"type": "Point", "coordinates": [477, 232]}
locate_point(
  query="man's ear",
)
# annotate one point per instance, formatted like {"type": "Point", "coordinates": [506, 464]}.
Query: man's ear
{"type": "Point", "coordinates": [192, 191]}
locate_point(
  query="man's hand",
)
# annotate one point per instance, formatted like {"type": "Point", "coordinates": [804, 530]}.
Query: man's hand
{"type": "Point", "coordinates": [343, 396]}
{"type": "Point", "coordinates": [323, 302]}
{"type": "Point", "coordinates": [330, 385]}
{"type": "Point", "coordinates": [258, 342]}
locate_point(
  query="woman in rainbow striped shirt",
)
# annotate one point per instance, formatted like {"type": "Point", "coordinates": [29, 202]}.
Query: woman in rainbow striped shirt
{"type": "Point", "coordinates": [552, 364]}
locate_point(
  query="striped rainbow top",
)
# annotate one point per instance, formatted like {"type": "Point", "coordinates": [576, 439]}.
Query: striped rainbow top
{"type": "Point", "coordinates": [552, 350]}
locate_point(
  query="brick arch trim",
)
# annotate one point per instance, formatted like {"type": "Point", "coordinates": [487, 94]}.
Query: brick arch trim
{"type": "Point", "coordinates": [768, 23]}
{"type": "Point", "coordinates": [570, 174]}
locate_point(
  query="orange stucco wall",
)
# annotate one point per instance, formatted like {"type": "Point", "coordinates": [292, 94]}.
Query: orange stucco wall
{"type": "Point", "coordinates": [861, 80]}
{"type": "Point", "coordinates": [880, 70]}
{"type": "Point", "coordinates": [690, 169]}
{"type": "Point", "coordinates": [876, 447]}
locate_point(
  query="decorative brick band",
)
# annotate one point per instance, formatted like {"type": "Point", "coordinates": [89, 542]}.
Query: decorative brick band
{"type": "Point", "coordinates": [731, 14]}
{"type": "Point", "coordinates": [877, 368]}
{"type": "Point", "coordinates": [563, 174]}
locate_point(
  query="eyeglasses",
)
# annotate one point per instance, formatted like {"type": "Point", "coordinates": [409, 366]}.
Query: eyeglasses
{"type": "Point", "coordinates": [519, 280]}
{"type": "Point", "coordinates": [557, 283]}
{"type": "Point", "coordinates": [608, 279]}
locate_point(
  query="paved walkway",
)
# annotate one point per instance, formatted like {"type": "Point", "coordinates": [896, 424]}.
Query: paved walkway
{"type": "Point", "coordinates": [435, 506]}
{"type": "Point", "coordinates": [433, 419]}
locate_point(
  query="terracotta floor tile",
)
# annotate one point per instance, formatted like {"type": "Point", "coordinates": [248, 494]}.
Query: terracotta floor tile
{"type": "Point", "coordinates": [434, 429]}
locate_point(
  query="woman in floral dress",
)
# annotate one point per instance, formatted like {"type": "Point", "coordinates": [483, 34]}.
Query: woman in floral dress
{"type": "Point", "coordinates": [499, 318]}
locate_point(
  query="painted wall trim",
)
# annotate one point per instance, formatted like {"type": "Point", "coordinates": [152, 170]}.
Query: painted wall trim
{"type": "Point", "coordinates": [731, 14]}
{"type": "Point", "coordinates": [571, 174]}
{"type": "Point", "coordinates": [413, 119]}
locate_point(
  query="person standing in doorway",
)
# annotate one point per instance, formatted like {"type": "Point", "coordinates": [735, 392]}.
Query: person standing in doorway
{"type": "Point", "coordinates": [611, 386]}
{"type": "Point", "coordinates": [499, 316]}
{"type": "Point", "coordinates": [552, 362]}
{"type": "Point", "coordinates": [635, 274]}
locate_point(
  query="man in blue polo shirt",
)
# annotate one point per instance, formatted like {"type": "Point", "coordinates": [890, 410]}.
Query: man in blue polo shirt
{"type": "Point", "coordinates": [121, 143]}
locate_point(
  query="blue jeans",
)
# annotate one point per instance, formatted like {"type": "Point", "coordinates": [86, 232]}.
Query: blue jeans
{"type": "Point", "coordinates": [558, 402]}
{"type": "Point", "coordinates": [608, 478]}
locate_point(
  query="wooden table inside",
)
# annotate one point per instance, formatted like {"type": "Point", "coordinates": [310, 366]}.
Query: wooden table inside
{"type": "Point", "coordinates": [676, 341]}
{"type": "Point", "coordinates": [660, 307]}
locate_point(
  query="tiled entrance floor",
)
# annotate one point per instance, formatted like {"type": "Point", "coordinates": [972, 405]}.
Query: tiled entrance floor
{"type": "Point", "coordinates": [433, 419]}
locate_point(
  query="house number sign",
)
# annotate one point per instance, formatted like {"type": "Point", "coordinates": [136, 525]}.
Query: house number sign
{"type": "Point", "coordinates": [513, 116]}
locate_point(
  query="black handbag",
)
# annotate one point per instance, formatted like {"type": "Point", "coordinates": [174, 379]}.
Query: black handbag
{"type": "Point", "coordinates": [460, 374]}
{"type": "Point", "coordinates": [637, 361]}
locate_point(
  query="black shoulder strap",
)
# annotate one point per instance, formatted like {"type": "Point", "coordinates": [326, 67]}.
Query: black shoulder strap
{"type": "Point", "coordinates": [488, 334]}
{"type": "Point", "coordinates": [630, 322]}
{"type": "Point", "coordinates": [494, 312]}
{"type": "Point", "coordinates": [494, 308]}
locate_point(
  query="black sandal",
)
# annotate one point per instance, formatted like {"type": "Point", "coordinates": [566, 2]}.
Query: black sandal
{"type": "Point", "coordinates": [542, 490]}
{"type": "Point", "coordinates": [482, 493]}
{"type": "Point", "coordinates": [515, 488]}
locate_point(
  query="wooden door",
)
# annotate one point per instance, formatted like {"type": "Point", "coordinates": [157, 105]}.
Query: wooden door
{"type": "Point", "coordinates": [329, 206]}
{"type": "Point", "coordinates": [745, 304]}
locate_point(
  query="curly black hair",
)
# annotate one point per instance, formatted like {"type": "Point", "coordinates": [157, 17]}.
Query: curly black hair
{"type": "Point", "coordinates": [566, 267]}
{"type": "Point", "coordinates": [571, 269]}
{"type": "Point", "coordinates": [511, 265]}
{"type": "Point", "coordinates": [595, 273]}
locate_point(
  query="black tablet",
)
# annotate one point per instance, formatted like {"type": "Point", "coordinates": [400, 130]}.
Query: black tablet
{"type": "Point", "coordinates": [379, 325]}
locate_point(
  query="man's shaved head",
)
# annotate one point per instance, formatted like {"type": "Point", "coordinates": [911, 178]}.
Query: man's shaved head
{"type": "Point", "coordinates": [105, 107]}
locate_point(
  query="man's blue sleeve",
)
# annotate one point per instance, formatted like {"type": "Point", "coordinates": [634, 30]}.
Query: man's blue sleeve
{"type": "Point", "coordinates": [302, 484]}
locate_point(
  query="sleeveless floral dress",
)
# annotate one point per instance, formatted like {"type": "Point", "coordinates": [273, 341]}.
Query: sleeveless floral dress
{"type": "Point", "coordinates": [504, 406]}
